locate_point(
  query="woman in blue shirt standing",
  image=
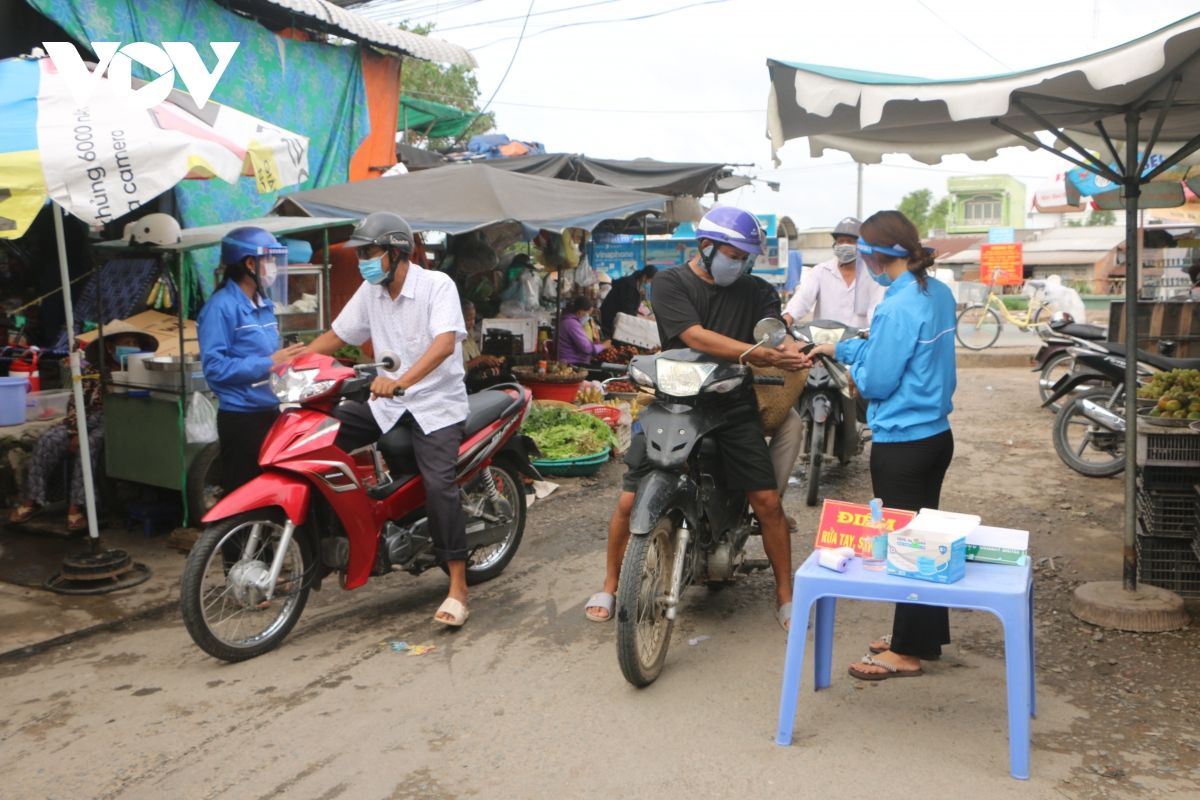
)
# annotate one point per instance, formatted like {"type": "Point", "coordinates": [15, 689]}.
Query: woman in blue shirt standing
{"type": "Point", "coordinates": [239, 344]}
{"type": "Point", "coordinates": [906, 370]}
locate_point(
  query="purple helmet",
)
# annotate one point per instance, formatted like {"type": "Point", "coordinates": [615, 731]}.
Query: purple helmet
{"type": "Point", "coordinates": [732, 226]}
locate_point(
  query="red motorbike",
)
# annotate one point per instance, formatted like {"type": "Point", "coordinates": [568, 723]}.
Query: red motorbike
{"type": "Point", "coordinates": [317, 509]}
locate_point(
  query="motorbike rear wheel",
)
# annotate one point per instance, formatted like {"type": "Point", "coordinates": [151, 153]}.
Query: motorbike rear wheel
{"type": "Point", "coordinates": [486, 563]}
{"type": "Point", "coordinates": [816, 455]}
{"type": "Point", "coordinates": [643, 630]}
{"type": "Point", "coordinates": [1085, 446]}
{"type": "Point", "coordinates": [228, 616]}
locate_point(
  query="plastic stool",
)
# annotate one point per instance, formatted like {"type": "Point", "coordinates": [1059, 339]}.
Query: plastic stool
{"type": "Point", "coordinates": [153, 517]}
{"type": "Point", "coordinates": [1005, 591]}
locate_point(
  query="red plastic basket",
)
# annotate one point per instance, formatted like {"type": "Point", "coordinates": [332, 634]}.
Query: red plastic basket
{"type": "Point", "coordinates": [610, 415]}
{"type": "Point", "coordinates": [553, 391]}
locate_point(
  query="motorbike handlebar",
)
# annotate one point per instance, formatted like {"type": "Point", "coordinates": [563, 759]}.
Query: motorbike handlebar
{"type": "Point", "coordinates": [608, 366]}
{"type": "Point", "coordinates": [769, 380]}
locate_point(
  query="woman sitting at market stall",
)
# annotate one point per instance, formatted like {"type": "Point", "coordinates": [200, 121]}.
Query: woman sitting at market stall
{"type": "Point", "coordinates": [574, 344]}
{"type": "Point", "coordinates": [481, 370]}
{"type": "Point", "coordinates": [56, 443]}
{"type": "Point", "coordinates": [906, 370]}
{"type": "Point", "coordinates": [239, 345]}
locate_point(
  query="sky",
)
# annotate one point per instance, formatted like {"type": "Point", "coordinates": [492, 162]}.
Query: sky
{"type": "Point", "coordinates": [691, 84]}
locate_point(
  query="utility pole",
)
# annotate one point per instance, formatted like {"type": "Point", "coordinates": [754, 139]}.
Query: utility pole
{"type": "Point", "coordinates": [859, 215]}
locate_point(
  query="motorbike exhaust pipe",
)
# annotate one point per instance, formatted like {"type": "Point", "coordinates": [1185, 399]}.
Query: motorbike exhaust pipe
{"type": "Point", "coordinates": [1102, 416]}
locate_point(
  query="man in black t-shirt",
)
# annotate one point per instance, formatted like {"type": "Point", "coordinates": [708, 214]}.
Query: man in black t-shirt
{"type": "Point", "coordinates": [711, 304]}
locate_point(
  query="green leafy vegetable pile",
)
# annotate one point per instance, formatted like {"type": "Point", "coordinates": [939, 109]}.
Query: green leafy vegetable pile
{"type": "Point", "coordinates": [561, 433]}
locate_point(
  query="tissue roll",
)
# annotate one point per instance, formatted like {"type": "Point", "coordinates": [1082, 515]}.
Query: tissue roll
{"type": "Point", "coordinates": [832, 559]}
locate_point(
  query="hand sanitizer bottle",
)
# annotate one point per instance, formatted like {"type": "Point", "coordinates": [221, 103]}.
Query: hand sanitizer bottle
{"type": "Point", "coordinates": [875, 556]}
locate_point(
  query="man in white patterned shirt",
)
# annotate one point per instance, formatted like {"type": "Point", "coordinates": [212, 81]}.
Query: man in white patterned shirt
{"type": "Point", "coordinates": [832, 289]}
{"type": "Point", "coordinates": [416, 314]}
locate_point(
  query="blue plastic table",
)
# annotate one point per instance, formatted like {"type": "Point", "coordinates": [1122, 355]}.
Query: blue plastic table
{"type": "Point", "coordinates": [1005, 591]}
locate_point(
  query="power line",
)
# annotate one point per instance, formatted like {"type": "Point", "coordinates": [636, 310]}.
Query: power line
{"type": "Point", "coordinates": [605, 21]}
{"type": "Point", "coordinates": [962, 35]}
{"type": "Point", "coordinates": [512, 60]}
{"type": "Point", "coordinates": [538, 14]}
{"type": "Point", "coordinates": [587, 109]}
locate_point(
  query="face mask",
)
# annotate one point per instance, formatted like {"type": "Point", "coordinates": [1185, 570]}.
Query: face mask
{"type": "Point", "coordinates": [371, 269]}
{"type": "Point", "coordinates": [725, 270]}
{"type": "Point", "coordinates": [845, 253]}
{"type": "Point", "coordinates": [122, 352]}
{"type": "Point", "coordinates": [267, 272]}
{"type": "Point", "coordinates": [882, 278]}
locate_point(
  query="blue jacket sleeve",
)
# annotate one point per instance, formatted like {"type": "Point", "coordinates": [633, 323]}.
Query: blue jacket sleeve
{"type": "Point", "coordinates": [878, 363]}
{"type": "Point", "coordinates": [220, 363]}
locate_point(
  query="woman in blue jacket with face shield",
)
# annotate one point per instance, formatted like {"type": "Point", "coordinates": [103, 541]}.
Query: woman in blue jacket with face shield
{"type": "Point", "coordinates": [239, 344]}
{"type": "Point", "coordinates": [906, 370]}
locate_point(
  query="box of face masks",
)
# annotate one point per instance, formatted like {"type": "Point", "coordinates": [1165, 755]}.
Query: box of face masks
{"type": "Point", "coordinates": [933, 547]}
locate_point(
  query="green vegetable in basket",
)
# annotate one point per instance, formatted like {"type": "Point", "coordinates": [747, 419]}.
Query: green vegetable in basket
{"type": "Point", "coordinates": [564, 434]}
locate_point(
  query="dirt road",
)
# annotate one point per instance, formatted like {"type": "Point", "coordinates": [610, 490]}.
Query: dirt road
{"type": "Point", "coordinates": [527, 700]}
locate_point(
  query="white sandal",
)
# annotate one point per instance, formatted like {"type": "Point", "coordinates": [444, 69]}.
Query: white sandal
{"type": "Point", "coordinates": [457, 611]}
{"type": "Point", "coordinates": [784, 616]}
{"type": "Point", "coordinates": [600, 600]}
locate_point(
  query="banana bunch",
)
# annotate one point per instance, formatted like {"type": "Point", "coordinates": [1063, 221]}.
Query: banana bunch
{"type": "Point", "coordinates": [589, 393]}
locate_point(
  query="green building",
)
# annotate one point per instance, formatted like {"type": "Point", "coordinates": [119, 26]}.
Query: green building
{"type": "Point", "coordinates": [979, 202]}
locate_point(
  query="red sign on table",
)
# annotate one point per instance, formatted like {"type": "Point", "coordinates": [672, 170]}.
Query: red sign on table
{"type": "Point", "coordinates": [846, 524]}
{"type": "Point", "coordinates": [1002, 264]}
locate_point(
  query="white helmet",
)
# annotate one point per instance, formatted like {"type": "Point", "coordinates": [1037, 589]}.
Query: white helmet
{"type": "Point", "coordinates": [153, 229]}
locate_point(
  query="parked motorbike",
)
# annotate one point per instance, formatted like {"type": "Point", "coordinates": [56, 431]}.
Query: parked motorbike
{"type": "Point", "coordinates": [687, 526]}
{"type": "Point", "coordinates": [832, 414]}
{"type": "Point", "coordinates": [1053, 359]}
{"type": "Point", "coordinates": [317, 509]}
{"type": "Point", "coordinates": [1089, 431]}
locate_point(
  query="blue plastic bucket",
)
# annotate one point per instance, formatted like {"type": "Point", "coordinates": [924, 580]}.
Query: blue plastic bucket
{"type": "Point", "coordinates": [12, 400]}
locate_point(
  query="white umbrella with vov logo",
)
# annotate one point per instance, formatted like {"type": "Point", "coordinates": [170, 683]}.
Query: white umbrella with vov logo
{"type": "Point", "coordinates": [101, 161]}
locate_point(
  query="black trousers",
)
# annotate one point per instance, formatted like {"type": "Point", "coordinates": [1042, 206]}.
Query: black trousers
{"type": "Point", "coordinates": [241, 434]}
{"type": "Point", "coordinates": [437, 458]}
{"type": "Point", "coordinates": [908, 475]}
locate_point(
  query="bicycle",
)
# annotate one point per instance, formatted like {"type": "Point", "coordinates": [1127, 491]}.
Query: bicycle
{"type": "Point", "coordinates": [979, 324]}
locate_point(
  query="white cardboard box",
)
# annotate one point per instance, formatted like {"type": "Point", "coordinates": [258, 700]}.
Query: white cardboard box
{"type": "Point", "coordinates": [640, 331]}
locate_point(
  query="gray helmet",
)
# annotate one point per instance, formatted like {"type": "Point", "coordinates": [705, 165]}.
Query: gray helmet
{"type": "Point", "coordinates": [847, 227]}
{"type": "Point", "coordinates": [385, 229]}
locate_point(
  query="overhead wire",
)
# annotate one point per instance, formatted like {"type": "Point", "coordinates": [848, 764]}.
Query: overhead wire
{"type": "Point", "coordinates": [483, 109]}
{"type": "Point", "coordinates": [581, 23]}
{"type": "Point", "coordinates": [962, 35]}
{"type": "Point", "coordinates": [538, 14]}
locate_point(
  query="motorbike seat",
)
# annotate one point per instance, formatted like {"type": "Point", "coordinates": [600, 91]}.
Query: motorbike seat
{"type": "Point", "coordinates": [1093, 333]}
{"type": "Point", "coordinates": [483, 409]}
{"type": "Point", "coordinates": [1154, 359]}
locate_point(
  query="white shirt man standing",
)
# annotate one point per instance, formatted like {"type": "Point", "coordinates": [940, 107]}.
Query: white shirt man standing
{"type": "Point", "coordinates": [832, 289]}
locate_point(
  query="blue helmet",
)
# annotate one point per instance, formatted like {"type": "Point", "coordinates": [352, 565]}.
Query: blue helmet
{"type": "Point", "coordinates": [732, 226]}
{"type": "Point", "coordinates": [241, 243]}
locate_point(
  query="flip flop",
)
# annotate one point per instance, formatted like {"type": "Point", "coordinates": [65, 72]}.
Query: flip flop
{"type": "Point", "coordinates": [457, 611]}
{"type": "Point", "coordinates": [887, 640]}
{"type": "Point", "coordinates": [77, 522]}
{"type": "Point", "coordinates": [783, 615]}
{"type": "Point", "coordinates": [23, 513]}
{"type": "Point", "coordinates": [892, 672]}
{"type": "Point", "coordinates": [600, 600]}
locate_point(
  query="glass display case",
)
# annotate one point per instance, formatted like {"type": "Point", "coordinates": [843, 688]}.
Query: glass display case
{"type": "Point", "coordinates": [299, 297]}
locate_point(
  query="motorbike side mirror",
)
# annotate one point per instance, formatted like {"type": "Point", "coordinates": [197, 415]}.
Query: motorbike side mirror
{"type": "Point", "coordinates": [389, 361]}
{"type": "Point", "coordinates": [799, 334]}
{"type": "Point", "coordinates": [770, 332]}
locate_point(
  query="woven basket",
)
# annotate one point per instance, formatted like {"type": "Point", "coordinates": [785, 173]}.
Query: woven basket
{"type": "Point", "coordinates": [774, 402]}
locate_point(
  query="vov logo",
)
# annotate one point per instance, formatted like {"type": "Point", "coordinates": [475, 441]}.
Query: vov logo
{"type": "Point", "coordinates": [117, 61]}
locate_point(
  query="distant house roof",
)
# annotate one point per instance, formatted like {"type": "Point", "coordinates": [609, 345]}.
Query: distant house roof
{"type": "Point", "coordinates": [328, 17]}
{"type": "Point", "coordinates": [1074, 245]}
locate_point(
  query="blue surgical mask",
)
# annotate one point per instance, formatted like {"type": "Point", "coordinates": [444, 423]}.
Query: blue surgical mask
{"type": "Point", "coordinates": [122, 352]}
{"type": "Point", "coordinates": [725, 270]}
{"type": "Point", "coordinates": [371, 269]}
{"type": "Point", "coordinates": [883, 279]}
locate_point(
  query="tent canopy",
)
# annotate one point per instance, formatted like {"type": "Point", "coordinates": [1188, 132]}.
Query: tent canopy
{"type": "Point", "coordinates": [471, 196]}
{"type": "Point", "coordinates": [643, 174]}
{"type": "Point", "coordinates": [868, 114]}
{"type": "Point", "coordinates": [432, 120]}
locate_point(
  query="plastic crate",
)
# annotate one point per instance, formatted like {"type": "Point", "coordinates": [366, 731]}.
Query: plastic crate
{"type": "Point", "coordinates": [1168, 563]}
{"type": "Point", "coordinates": [1176, 449]}
{"type": "Point", "coordinates": [1167, 511]}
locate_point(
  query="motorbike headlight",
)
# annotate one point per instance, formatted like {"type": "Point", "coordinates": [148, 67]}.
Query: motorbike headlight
{"type": "Point", "coordinates": [289, 386]}
{"type": "Point", "coordinates": [827, 335]}
{"type": "Point", "coordinates": [682, 378]}
{"type": "Point", "coordinates": [314, 389]}
{"type": "Point", "coordinates": [641, 378]}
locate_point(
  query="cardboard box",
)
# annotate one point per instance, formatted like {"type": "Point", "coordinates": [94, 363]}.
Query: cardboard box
{"type": "Point", "coordinates": [998, 545]}
{"type": "Point", "coordinates": [639, 331]}
{"type": "Point", "coordinates": [933, 547]}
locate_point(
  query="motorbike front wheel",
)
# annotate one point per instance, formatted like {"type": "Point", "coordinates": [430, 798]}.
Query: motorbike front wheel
{"type": "Point", "coordinates": [1085, 446]}
{"type": "Point", "coordinates": [643, 630]}
{"type": "Point", "coordinates": [224, 608]}
{"type": "Point", "coordinates": [1057, 365]}
{"type": "Point", "coordinates": [816, 455]}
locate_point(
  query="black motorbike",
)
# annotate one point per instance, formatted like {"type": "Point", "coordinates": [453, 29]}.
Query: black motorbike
{"type": "Point", "coordinates": [1053, 359]}
{"type": "Point", "coordinates": [1089, 431]}
{"type": "Point", "coordinates": [687, 526]}
{"type": "Point", "coordinates": [832, 414]}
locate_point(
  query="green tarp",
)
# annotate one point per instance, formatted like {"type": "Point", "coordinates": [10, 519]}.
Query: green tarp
{"type": "Point", "coordinates": [432, 120]}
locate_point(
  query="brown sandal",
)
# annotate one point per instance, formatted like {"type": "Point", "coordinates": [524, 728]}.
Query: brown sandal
{"type": "Point", "coordinates": [77, 522]}
{"type": "Point", "coordinates": [891, 671]}
{"type": "Point", "coordinates": [23, 513]}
